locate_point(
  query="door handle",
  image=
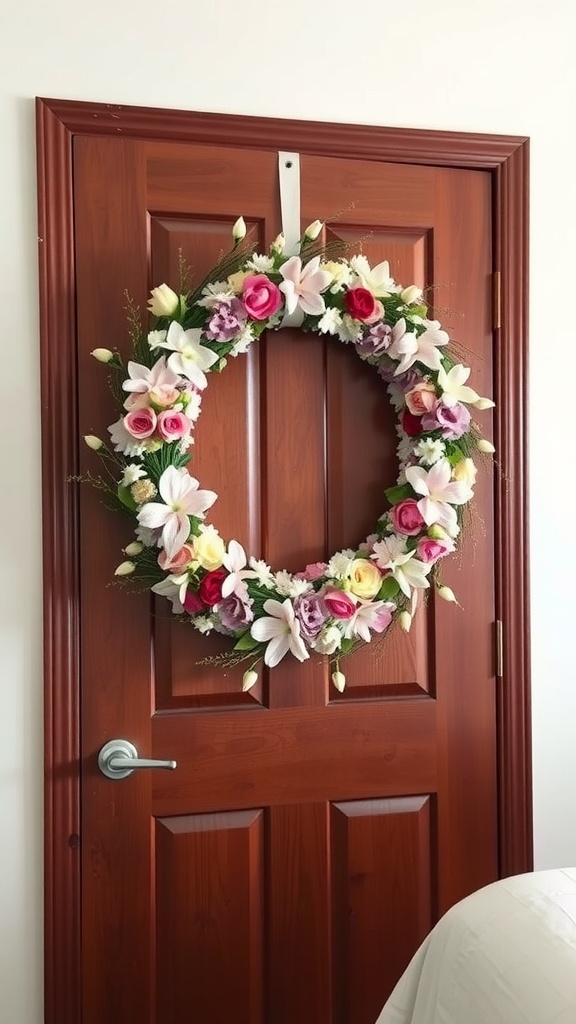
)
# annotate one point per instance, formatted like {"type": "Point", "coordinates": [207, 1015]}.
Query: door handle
{"type": "Point", "coordinates": [118, 759]}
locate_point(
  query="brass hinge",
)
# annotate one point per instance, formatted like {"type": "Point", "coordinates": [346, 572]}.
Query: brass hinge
{"type": "Point", "coordinates": [499, 648]}
{"type": "Point", "coordinates": [496, 299]}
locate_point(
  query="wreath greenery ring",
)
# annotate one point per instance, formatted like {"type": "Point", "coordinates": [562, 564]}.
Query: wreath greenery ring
{"type": "Point", "coordinates": [330, 607]}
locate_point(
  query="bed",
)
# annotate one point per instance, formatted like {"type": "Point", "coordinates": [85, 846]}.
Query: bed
{"type": "Point", "coordinates": [505, 955]}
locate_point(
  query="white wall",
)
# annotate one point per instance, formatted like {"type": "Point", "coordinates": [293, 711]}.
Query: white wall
{"type": "Point", "coordinates": [502, 66]}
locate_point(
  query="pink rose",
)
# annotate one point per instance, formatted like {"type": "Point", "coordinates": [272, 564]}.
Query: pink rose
{"type": "Point", "coordinates": [173, 425]}
{"type": "Point", "coordinates": [429, 550]}
{"type": "Point", "coordinates": [163, 396]}
{"type": "Point", "coordinates": [340, 604]}
{"type": "Point", "coordinates": [261, 297]}
{"type": "Point", "coordinates": [360, 303]}
{"type": "Point", "coordinates": [140, 423]}
{"type": "Point", "coordinates": [377, 315]}
{"type": "Point", "coordinates": [178, 561]}
{"type": "Point", "coordinates": [313, 571]}
{"type": "Point", "coordinates": [406, 517]}
{"type": "Point", "coordinates": [421, 398]}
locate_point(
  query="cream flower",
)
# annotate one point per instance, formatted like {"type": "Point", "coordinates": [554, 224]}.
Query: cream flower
{"type": "Point", "coordinates": [209, 548]}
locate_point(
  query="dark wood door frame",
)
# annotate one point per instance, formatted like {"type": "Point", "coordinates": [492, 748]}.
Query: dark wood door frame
{"type": "Point", "coordinates": [506, 158]}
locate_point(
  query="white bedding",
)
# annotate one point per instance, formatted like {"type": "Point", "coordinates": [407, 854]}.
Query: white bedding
{"type": "Point", "coordinates": [505, 955]}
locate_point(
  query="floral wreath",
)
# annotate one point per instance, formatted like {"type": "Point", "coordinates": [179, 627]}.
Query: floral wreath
{"type": "Point", "coordinates": [328, 608]}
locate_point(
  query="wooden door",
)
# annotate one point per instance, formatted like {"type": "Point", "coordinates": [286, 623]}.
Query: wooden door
{"type": "Point", "coordinates": [307, 841]}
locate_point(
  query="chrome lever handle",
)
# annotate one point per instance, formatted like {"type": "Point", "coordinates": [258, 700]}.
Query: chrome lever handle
{"type": "Point", "coordinates": [118, 759]}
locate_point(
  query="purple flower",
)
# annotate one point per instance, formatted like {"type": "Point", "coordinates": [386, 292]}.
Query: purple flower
{"type": "Point", "coordinates": [311, 613]}
{"type": "Point", "coordinates": [226, 321]}
{"type": "Point", "coordinates": [405, 381]}
{"type": "Point", "coordinates": [453, 421]}
{"type": "Point", "coordinates": [236, 611]}
{"type": "Point", "coordinates": [375, 341]}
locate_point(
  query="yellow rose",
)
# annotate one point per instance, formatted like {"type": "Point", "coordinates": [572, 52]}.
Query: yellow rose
{"type": "Point", "coordinates": [235, 281]}
{"type": "Point", "coordinates": [465, 472]}
{"type": "Point", "coordinates": [209, 548]}
{"type": "Point", "coordinates": [365, 579]}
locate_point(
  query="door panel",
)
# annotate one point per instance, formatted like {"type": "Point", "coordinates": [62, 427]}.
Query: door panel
{"type": "Point", "coordinates": [308, 839]}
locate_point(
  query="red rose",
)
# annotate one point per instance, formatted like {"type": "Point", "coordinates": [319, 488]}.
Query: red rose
{"type": "Point", "coordinates": [360, 303]}
{"type": "Point", "coordinates": [411, 425]}
{"type": "Point", "coordinates": [210, 589]}
{"type": "Point", "coordinates": [193, 603]}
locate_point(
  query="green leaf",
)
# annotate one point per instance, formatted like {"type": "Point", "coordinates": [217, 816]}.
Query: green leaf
{"type": "Point", "coordinates": [398, 493]}
{"type": "Point", "coordinates": [388, 590]}
{"type": "Point", "coordinates": [126, 498]}
{"type": "Point", "coordinates": [246, 643]}
{"type": "Point", "coordinates": [346, 645]}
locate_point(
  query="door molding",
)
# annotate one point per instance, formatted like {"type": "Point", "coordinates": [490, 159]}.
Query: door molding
{"type": "Point", "coordinates": [58, 122]}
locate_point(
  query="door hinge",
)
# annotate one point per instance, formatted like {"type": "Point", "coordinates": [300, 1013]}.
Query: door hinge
{"type": "Point", "coordinates": [499, 647]}
{"type": "Point", "coordinates": [496, 299]}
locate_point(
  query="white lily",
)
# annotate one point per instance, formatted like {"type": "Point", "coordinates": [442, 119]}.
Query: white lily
{"type": "Point", "coordinates": [439, 493]}
{"type": "Point", "coordinates": [281, 629]}
{"type": "Point", "coordinates": [376, 279]}
{"type": "Point", "coordinates": [391, 554]}
{"type": "Point", "coordinates": [411, 348]}
{"type": "Point", "coordinates": [454, 386]}
{"type": "Point", "coordinates": [302, 285]}
{"type": "Point", "coordinates": [182, 499]}
{"type": "Point", "coordinates": [369, 615]}
{"type": "Point", "coordinates": [189, 358]}
{"type": "Point", "coordinates": [142, 379]}
{"type": "Point", "coordinates": [235, 561]}
{"type": "Point", "coordinates": [174, 588]}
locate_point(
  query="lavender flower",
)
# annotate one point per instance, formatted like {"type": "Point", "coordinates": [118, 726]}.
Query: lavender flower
{"type": "Point", "coordinates": [375, 341]}
{"type": "Point", "coordinates": [226, 321]}
{"type": "Point", "coordinates": [311, 613]}
{"type": "Point", "coordinates": [453, 421]}
{"type": "Point", "coordinates": [236, 611]}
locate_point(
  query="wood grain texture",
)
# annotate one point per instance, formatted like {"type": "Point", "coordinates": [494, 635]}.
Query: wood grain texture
{"type": "Point", "coordinates": [59, 123]}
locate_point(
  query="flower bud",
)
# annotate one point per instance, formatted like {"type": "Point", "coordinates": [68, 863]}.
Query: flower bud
{"type": "Point", "coordinates": [248, 679]}
{"type": "Point", "coordinates": [437, 532]}
{"type": "Point", "coordinates": [164, 301]}
{"type": "Point", "coordinates": [93, 442]}
{"type": "Point", "coordinates": [486, 446]}
{"type": "Point", "coordinates": [134, 548]}
{"type": "Point", "coordinates": [411, 294]}
{"type": "Point", "coordinates": [103, 355]}
{"type": "Point", "coordinates": [405, 621]}
{"type": "Point", "coordinates": [313, 230]}
{"type": "Point", "coordinates": [447, 594]}
{"type": "Point", "coordinates": [465, 472]}
{"type": "Point", "coordinates": [278, 244]}
{"type": "Point", "coordinates": [124, 569]}
{"type": "Point", "coordinates": [483, 403]}
{"type": "Point", "coordinates": [239, 230]}
{"type": "Point", "coordinates": [339, 680]}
